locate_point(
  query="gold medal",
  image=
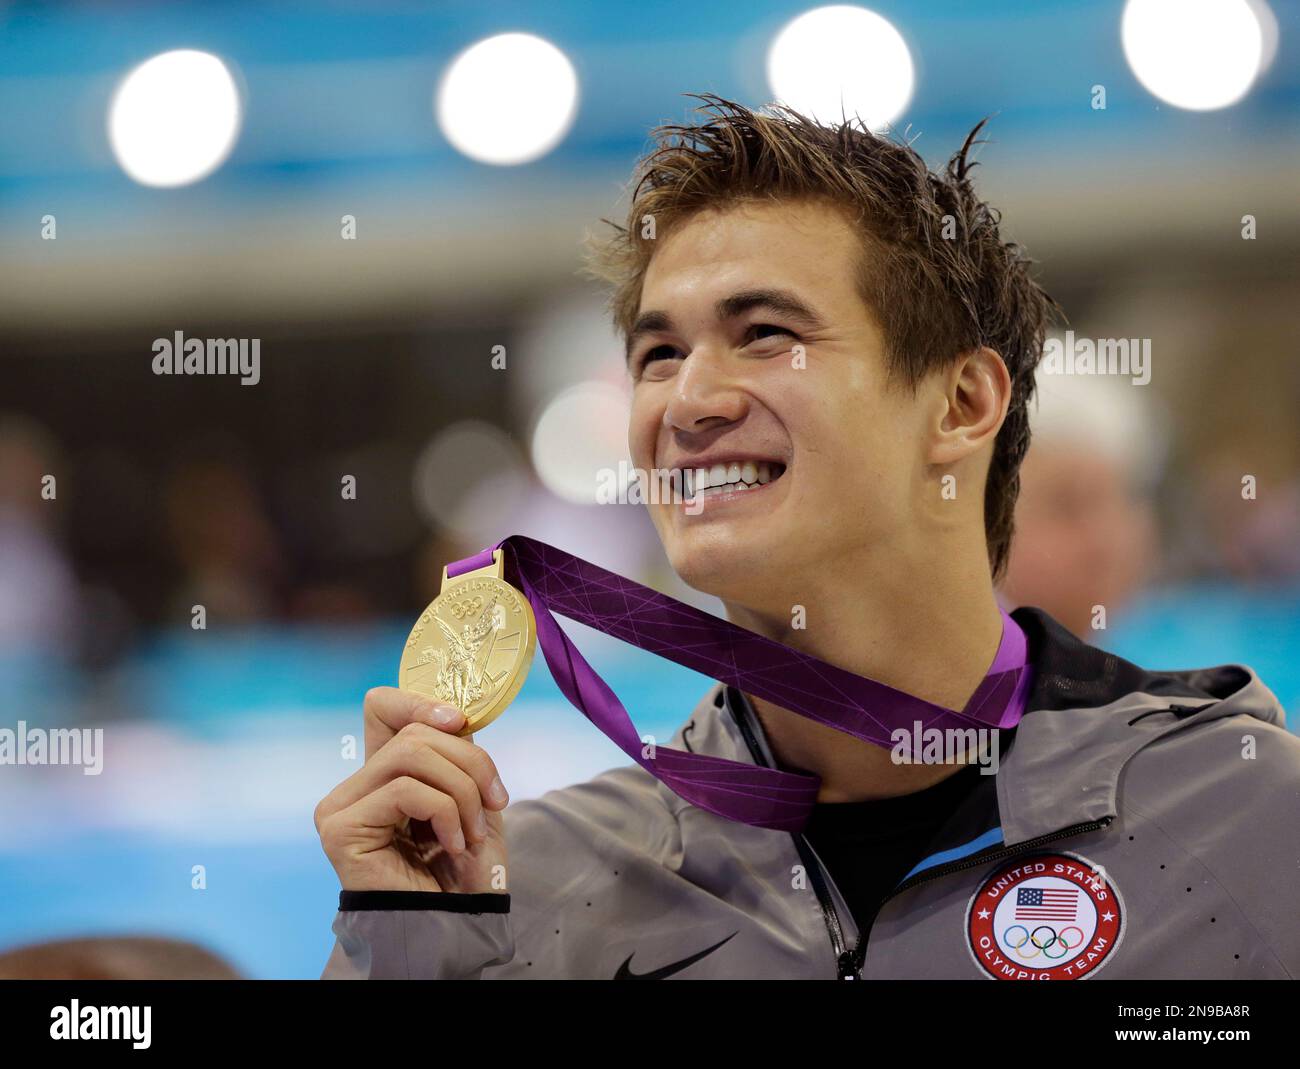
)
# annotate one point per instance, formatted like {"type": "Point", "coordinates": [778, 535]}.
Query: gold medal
{"type": "Point", "coordinates": [472, 646]}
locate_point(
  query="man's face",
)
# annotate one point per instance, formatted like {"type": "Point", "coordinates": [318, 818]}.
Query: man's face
{"type": "Point", "coordinates": [725, 375]}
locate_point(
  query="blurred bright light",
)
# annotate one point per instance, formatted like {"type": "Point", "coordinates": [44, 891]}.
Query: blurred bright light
{"type": "Point", "coordinates": [580, 433]}
{"type": "Point", "coordinates": [469, 478]}
{"type": "Point", "coordinates": [842, 60]}
{"type": "Point", "coordinates": [1268, 27]}
{"type": "Point", "coordinates": [174, 119]}
{"type": "Point", "coordinates": [508, 99]}
{"type": "Point", "coordinates": [568, 337]}
{"type": "Point", "coordinates": [1194, 54]}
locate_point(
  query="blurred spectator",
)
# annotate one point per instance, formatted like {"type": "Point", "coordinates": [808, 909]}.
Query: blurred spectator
{"type": "Point", "coordinates": [1085, 524]}
{"type": "Point", "coordinates": [114, 958]}
{"type": "Point", "coordinates": [38, 595]}
{"type": "Point", "coordinates": [1251, 539]}
{"type": "Point", "coordinates": [224, 542]}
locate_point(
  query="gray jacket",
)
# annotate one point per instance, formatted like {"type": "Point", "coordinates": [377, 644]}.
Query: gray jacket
{"type": "Point", "coordinates": [1142, 823]}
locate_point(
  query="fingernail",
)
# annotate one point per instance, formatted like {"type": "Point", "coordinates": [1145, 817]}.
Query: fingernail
{"type": "Point", "coordinates": [458, 841]}
{"type": "Point", "coordinates": [444, 716]}
{"type": "Point", "coordinates": [481, 825]}
{"type": "Point", "coordinates": [497, 792]}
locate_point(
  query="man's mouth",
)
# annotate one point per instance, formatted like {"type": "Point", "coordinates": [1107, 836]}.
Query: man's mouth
{"type": "Point", "coordinates": [726, 477]}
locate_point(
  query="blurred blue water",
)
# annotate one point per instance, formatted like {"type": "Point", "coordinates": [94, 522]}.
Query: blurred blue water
{"type": "Point", "coordinates": [1210, 624]}
{"type": "Point", "coordinates": [267, 908]}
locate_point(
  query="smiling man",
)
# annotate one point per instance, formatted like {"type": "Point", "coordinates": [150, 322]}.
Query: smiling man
{"type": "Point", "coordinates": [837, 349]}
{"type": "Point", "coordinates": [756, 347]}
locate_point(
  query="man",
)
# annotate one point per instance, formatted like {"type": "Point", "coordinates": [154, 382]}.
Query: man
{"type": "Point", "coordinates": [809, 304]}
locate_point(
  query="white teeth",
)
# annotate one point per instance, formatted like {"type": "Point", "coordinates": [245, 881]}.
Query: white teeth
{"type": "Point", "coordinates": [727, 478]}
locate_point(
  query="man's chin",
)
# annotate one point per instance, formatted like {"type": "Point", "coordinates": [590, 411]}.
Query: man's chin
{"type": "Point", "coordinates": [730, 569]}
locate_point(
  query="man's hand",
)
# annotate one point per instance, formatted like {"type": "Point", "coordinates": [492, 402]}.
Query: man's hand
{"type": "Point", "coordinates": [424, 811]}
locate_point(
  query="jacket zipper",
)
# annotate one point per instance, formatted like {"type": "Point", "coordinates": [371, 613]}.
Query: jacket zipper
{"type": "Point", "coordinates": [849, 962]}
{"type": "Point", "coordinates": [816, 872]}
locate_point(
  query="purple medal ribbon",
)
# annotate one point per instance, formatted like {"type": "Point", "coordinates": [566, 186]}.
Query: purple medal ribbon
{"type": "Point", "coordinates": [555, 581]}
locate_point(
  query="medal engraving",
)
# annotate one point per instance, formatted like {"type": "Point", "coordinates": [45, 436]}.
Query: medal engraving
{"type": "Point", "coordinates": [471, 647]}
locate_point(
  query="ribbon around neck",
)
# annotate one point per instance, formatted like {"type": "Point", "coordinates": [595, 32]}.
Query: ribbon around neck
{"type": "Point", "coordinates": [554, 581]}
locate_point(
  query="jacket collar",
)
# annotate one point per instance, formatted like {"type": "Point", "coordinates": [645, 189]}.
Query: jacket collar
{"type": "Point", "coordinates": [1087, 713]}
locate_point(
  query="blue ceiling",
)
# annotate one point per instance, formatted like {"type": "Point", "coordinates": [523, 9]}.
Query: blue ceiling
{"type": "Point", "coordinates": [346, 88]}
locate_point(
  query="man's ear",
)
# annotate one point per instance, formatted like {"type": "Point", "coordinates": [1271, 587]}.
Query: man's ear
{"type": "Point", "coordinates": [976, 394]}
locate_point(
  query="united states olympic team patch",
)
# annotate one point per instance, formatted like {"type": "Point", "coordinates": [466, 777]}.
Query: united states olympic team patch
{"type": "Point", "coordinates": [1049, 917]}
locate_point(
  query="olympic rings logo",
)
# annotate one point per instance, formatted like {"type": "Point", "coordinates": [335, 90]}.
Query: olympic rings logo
{"type": "Point", "coordinates": [1042, 945]}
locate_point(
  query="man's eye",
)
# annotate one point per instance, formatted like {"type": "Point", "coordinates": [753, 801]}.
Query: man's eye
{"type": "Point", "coordinates": [659, 352]}
{"type": "Point", "coordinates": [768, 330]}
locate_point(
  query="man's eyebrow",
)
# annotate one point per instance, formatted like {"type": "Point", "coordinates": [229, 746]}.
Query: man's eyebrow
{"type": "Point", "coordinates": [646, 323]}
{"type": "Point", "coordinates": [783, 302]}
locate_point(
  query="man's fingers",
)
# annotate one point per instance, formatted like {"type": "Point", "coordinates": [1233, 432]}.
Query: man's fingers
{"type": "Point", "coordinates": [471, 758]}
{"type": "Point", "coordinates": [387, 710]}
{"type": "Point", "coordinates": [404, 798]}
{"type": "Point", "coordinates": [450, 764]}
{"type": "Point", "coordinates": [414, 752]}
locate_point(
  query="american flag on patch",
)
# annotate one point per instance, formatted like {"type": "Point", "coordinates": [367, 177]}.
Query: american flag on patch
{"type": "Point", "coordinates": [1047, 903]}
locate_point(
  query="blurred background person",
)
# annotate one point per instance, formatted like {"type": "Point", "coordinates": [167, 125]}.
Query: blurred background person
{"type": "Point", "coordinates": [38, 591]}
{"type": "Point", "coordinates": [121, 958]}
{"type": "Point", "coordinates": [227, 548]}
{"type": "Point", "coordinates": [1086, 531]}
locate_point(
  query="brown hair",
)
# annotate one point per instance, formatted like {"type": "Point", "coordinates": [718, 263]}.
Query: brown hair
{"type": "Point", "coordinates": [935, 272]}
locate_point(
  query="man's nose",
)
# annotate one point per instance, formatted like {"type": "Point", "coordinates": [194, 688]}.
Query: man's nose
{"type": "Point", "coordinates": [705, 394]}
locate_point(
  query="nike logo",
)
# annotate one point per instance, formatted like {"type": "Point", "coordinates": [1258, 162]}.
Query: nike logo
{"type": "Point", "coordinates": [624, 973]}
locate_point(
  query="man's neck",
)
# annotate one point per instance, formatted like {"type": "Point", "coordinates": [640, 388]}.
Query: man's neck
{"type": "Point", "coordinates": [931, 632]}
